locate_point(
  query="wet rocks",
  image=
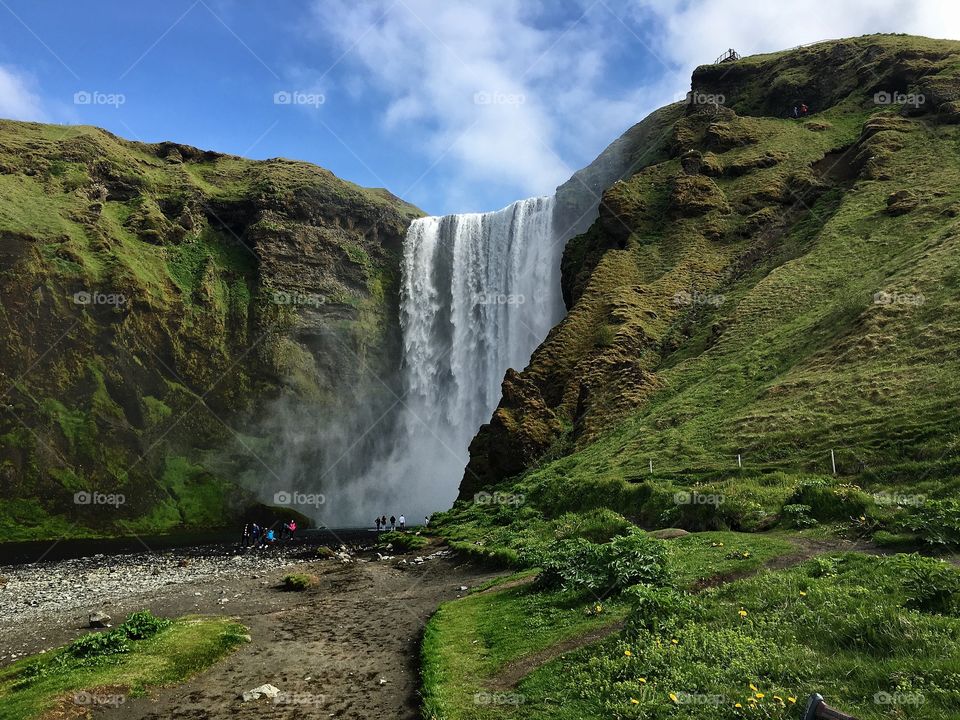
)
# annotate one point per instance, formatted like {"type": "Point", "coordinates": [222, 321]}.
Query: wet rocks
{"type": "Point", "coordinates": [99, 619]}
{"type": "Point", "coordinates": [38, 589]}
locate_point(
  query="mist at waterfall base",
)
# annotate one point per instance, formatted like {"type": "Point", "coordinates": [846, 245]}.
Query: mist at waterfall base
{"type": "Point", "coordinates": [479, 293]}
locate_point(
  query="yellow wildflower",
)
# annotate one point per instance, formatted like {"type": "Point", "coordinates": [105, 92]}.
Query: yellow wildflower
{"type": "Point", "coordinates": [642, 680]}
{"type": "Point", "coordinates": [673, 696]}
{"type": "Point", "coordinates": [753, 687]}
{"type": "Point", "coordinates": [628, 653]}
{"type": "Point", "coordinates": [742, 613]}
{"type": "Point", "coordinates": [791, 699]}
{"type": "Point", "coordinates": [634, 701]}
{"type": "Point", "coordinates": [760, 696]}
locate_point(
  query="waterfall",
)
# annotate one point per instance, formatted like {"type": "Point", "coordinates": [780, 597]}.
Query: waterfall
{"type": "Point", "coordinates": [479, 292]}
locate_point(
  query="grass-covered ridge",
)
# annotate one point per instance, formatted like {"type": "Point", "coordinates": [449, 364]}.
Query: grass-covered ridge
{"type": "Point", "coordinates": [153, 299]}
{"type": "Point", "coordinates": [774, 290]}
{"type": "Point", "coordinates": [105, 668]}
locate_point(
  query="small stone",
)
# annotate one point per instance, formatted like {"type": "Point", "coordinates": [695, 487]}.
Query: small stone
{"type": "Point", "coordinates": [99, 619]}
{"type": "Point", "coordinates": [266, 690]}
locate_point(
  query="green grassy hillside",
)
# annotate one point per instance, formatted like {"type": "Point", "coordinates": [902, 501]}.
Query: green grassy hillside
{"type": "Point", "coordinates": [764, 287]}
{"type": "Point", "coordinates": [155, 298]}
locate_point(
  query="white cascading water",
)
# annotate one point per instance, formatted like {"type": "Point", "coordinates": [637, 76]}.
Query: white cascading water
{"type": "Point", "coordinates": [479, 293]}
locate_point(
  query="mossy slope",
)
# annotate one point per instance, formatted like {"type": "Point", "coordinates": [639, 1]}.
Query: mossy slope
{"type": "Point", "coordinates": [154, 299]}
{"type": "Point", "coordinates": [761, 286]}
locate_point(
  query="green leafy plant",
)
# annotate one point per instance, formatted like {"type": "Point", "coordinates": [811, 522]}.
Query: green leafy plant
{"type": "Point", "coordinates": [937, 522]}
{"type": "Point", "coordinates": [798, 516]}
{"type": "Point", "coordinates": [143, 624]}
{"type": "Point", "coordinates": [100, 644]}
{"type": "Point", "coordinates": [579, 564]}
{"type": "Point", "coordinates": [931, 586]}
{"type": "Point", "coordinates": [657, 609]}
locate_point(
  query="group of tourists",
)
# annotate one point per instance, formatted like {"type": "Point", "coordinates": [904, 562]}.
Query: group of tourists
{"type": "Point", "coordinates": [800, 110]}
{"type": "Point", "coordinates": [255, 535]}
{"type": "Point", "coordinates": [381, 523]}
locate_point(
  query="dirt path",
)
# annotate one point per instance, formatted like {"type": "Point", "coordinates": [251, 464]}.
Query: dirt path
{"type": "Point", "coordinates": [345, 649]}
{"type": "Point", "coordinates": [511, 675]}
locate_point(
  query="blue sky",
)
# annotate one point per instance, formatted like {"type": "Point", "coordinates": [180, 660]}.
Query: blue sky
{"type": "Point", "coordinates": [454, 105]}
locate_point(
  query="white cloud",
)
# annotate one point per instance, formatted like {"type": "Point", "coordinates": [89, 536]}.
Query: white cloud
{"type": "Point", "coordinates": [17, 100]}
{"type": "Point", "coordinates": [557, 90]}
{"type": "Point", "coordinates": [698, 31]}
{"type": "Point", "coordinates": [474, 84]}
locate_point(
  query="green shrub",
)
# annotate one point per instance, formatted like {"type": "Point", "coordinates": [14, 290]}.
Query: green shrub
{"type": "Point", "coordinates": [657, 609]}
{"type": "Point", "coordinates": [579, 564]}
{"type": "Point", "coordinates": [798, 516]}
{"type": "Point", "coordinates": [597, 525]}
{"type": "Point", "coordinates": [830, 502]}
{"type": "Point", "coordinates": [930, 585]}
{"type": "Point", "coordinates": [404, 542]}
{"type": "Point", "coordinates": [494, 557]}
{"type": "Point", "coordinates": [100, 644]}
{"type": "Point", "coordinates": [298, 582]}
{"type": "Point", "coordinates": [143, 624]}
{"type": "Point", "coordinates": [937, 522]}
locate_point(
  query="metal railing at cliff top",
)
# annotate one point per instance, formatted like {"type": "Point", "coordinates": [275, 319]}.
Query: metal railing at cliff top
{"type": "Point", "coordinates": [728, 56]}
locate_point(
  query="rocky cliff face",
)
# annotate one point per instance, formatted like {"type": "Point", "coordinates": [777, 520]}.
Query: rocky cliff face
{"type": "Point", "coordinates": [157, 301]}
{"type": "Point", "coordinates": [759, 284]}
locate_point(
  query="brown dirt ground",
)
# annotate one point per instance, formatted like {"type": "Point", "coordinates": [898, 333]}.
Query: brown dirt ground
{"type": "Point", "coordinates": [347, 648]}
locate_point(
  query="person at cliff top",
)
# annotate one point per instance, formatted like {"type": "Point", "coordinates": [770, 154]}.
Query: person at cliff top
{"type": "Point", "coordinates": [378, 524]}
{"type": "Point", "coordinates": [403, 522]}
{"type": "Point", "coordinates": [393, 523]}
{"type": "Point", "coordinates": [383, 521]}
{"type": "Point", "coordinates": [426, 521]}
